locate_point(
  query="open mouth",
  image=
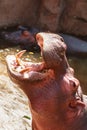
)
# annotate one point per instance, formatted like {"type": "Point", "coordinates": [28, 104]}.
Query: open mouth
{"type": "Point", "coordinates": [35, 71]}
{"type": "Point", "coordinates": [25, 70]}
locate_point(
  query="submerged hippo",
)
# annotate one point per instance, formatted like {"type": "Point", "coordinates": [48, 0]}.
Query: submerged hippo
{"type": "Point", "coordinates": [75, 46]}
{"type": "Point", "coordinates": [55, 96]}
{"type": "Point", "coordinates": [22, 36]}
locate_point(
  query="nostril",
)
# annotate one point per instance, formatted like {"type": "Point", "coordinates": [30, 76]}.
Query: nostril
{"type": "Point", "coordinates": [39, 40]}
{"type": "Point", "coordinates": [62, 39]}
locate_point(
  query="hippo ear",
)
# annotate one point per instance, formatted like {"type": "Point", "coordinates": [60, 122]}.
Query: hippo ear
{"type": "Point", "coordinates": [76, 108]}
{"type": "Point", "coordinates": [80, 106]}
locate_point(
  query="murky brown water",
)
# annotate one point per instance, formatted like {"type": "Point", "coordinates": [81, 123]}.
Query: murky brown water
{"type": "Point", "coordinates": [14, 103]}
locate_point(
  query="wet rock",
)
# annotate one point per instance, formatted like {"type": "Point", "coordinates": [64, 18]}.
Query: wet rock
{"type": "Point", "coordinates": [53, 15]}
{"type": "Point", "coordinates": [74, 17]}
{"type": "Point", "coordinates": [50, 12]}
{"type": "Point", "coordinates": [12, 12]}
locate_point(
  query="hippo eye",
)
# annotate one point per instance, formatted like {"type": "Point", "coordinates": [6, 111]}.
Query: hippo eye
{"type": "Point", "coordinates": [73, 84]}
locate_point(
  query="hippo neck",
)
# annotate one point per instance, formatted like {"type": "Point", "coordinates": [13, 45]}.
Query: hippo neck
{"type": "Point", "coordinates": [80, 123]}
{"type": "Point", "coordinates": [44, 124]}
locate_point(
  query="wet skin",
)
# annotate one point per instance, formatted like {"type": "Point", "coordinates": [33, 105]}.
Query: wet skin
{"type": "Point", "coordinates": [75, 46]}
{"type": "Point", "coordinates": [55, 96]}
{"type": "Point", "coordinates": [20, 35]}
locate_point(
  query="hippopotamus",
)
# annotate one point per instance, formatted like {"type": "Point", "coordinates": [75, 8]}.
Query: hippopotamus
{"type": "Point", "coordinates": [20, 35]}
{"type": "Point", "coordinates": [75, 46]}
{"type": "Point", "coordinates": [55, 95]}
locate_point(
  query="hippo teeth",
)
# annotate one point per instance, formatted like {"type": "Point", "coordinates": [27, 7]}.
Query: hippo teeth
{"type": "Point", "coordinates": [18, 56]}
{"type": "Point", "coordinates": [16, 63]}
{"type": "Point", "coordinates": [20, 64]}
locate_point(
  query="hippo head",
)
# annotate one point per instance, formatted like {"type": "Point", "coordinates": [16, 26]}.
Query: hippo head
{"type": "Point", "coordinates": [54, 93]}
{"type": "Point", "coordinates": [21, 36]}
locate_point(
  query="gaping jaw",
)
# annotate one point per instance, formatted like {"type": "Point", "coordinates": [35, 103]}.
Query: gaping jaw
{"type": "Point", "coordinates": [29, 71]}
{"type": "Point", "coordinates": [52, 50]}
{"type": "Point", "coordinates": [22, 70]}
